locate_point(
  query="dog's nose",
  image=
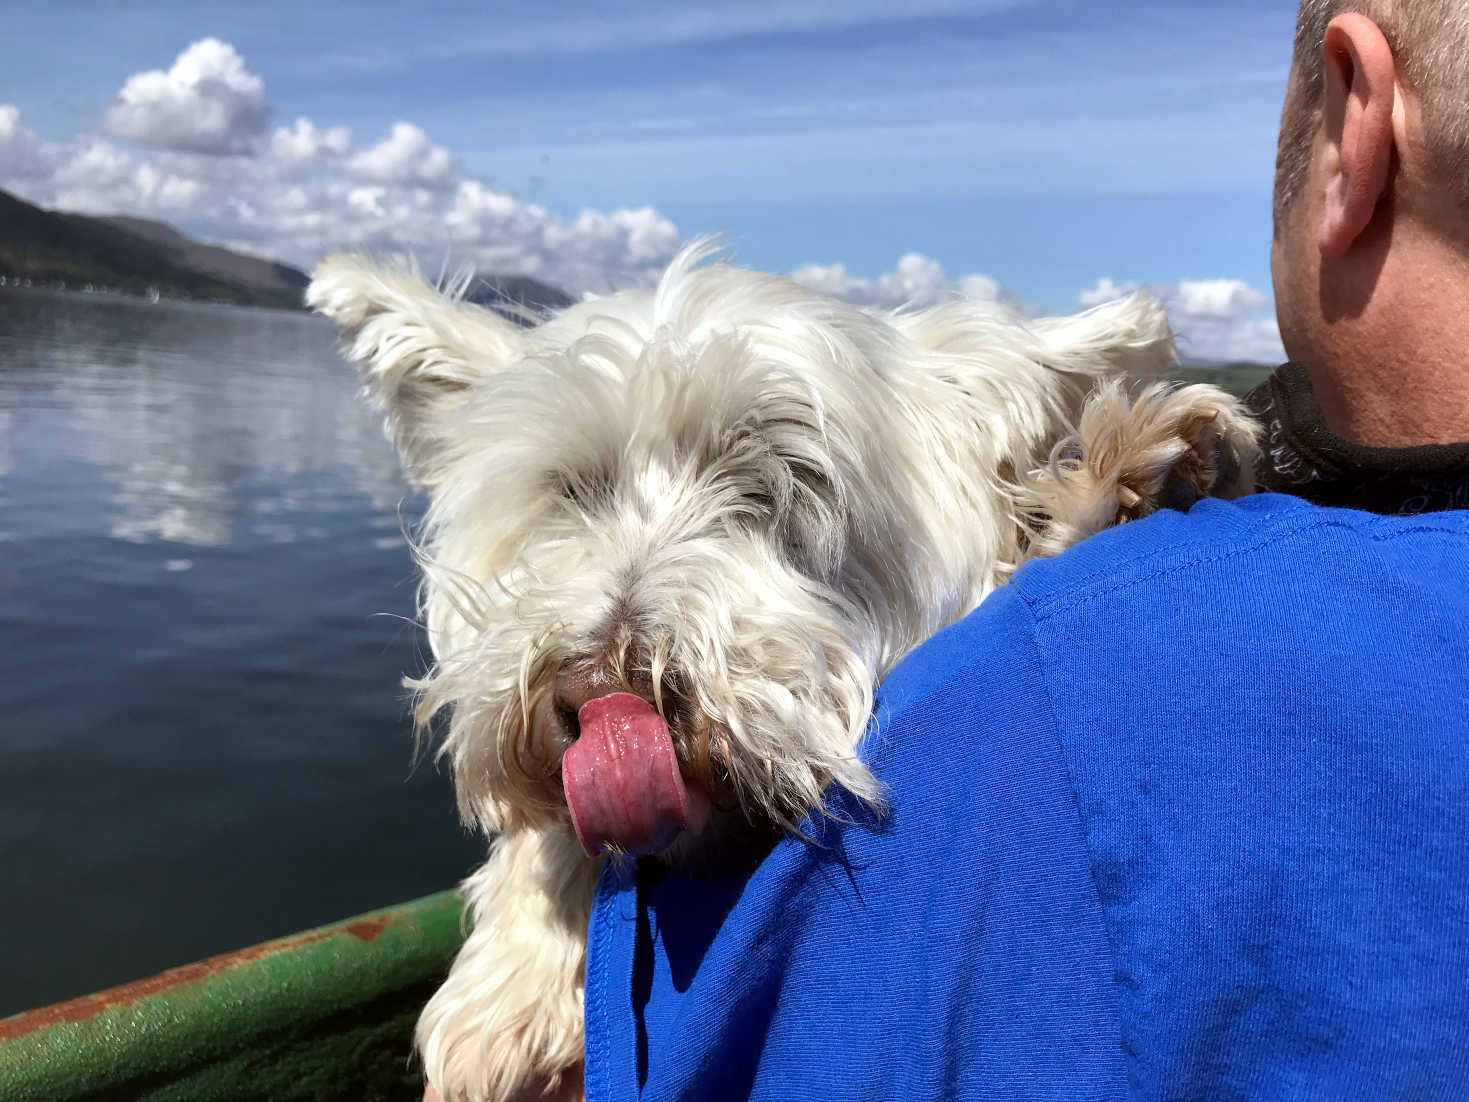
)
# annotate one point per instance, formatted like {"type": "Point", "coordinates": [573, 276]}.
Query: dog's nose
{"type": "Point", "coordinates": [575, 686]}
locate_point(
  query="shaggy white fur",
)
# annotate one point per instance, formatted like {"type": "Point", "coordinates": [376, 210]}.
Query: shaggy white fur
{"type": "Point", "coordinates": [743, 501]}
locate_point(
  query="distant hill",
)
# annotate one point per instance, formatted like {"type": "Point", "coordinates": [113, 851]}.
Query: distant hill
{"type": "Point", "coordinates": [1236, 378]}
{"type": "Point", "coordinates": [516, 293]}
{"type": "Point", "coordinates": [133, 256]}
{"type": "Point", "coordinates": [140, 257]}
{"type": "Point", "coordinates": [217, 262]}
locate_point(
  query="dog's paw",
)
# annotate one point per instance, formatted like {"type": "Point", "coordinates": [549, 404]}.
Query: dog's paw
{"type": "Point", "coordinates": [506, 1026]}
{"type": "Point", "coordinates": [496, 1032]}
{"type": "Point", "coordinates": [1167, 449]}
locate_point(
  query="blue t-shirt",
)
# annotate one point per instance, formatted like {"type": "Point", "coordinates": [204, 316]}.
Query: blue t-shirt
{"type": "Point", "coordinates": [1181, 814]}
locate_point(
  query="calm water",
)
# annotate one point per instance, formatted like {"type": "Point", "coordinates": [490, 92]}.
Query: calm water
{"type": "Point", "coordinates": [203, 741]}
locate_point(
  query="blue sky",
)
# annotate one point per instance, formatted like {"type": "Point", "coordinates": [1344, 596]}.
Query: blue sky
{"type": "Point", "coordinates": [1045, 145]}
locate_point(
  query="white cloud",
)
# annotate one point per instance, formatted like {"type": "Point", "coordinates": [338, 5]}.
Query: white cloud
{"type": "Point", "coordinates": [405, 156]}
{"type": "Point", "coordinates": [94, 178]}
{"type": "Point", "coordinates": [1105, 291]}
{"type": "Point", "coordinates": [1214, 319]}
{"type": "Point", "coordinates": [22, 156]}
{"type": "Point", "coordinates": [917, 281]}
{"type": "Point", "coordinates": [306, 191]}
{"type": "Point", "coordinates": [302, 142]}
{"type": "Point", "coordinates": [1218, 298]}
{"type": "Point", "coordinates": [207, 103]}
{"type": "Point", "coordinates": [980, 288]}
{"type": "Point", "coordinates": [632, 246]}
{"type": "Point", "coordinates": [164, 189]}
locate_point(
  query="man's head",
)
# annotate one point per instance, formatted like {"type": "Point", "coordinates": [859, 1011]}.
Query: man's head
{"type": "Point", "coordinates": [1371, 193]}
{"type": "Point", "coordinates": [1429, 41]}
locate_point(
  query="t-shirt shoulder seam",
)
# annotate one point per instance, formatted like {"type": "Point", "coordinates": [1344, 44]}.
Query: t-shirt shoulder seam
{"type": "Point", "coordinates": [1087, 589]}
{"type": "Point", "coordinates": [1413, 530]}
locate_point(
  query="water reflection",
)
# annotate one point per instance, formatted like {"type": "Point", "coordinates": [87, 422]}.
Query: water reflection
{"type": "Point", "coordinates": [203, 593]}
{"type": "Point", "coordinates": [202, 419]}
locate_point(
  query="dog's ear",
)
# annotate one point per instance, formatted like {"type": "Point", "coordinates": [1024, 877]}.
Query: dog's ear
{"type": "Point", "coordinates": [1128, 336]}
{"type": "Point", "coordinates": [419, 350]}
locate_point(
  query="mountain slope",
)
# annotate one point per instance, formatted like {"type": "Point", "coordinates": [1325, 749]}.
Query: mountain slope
{"type": "Point", "coordinates": [511, 294]}
{"type": "Point", "coordinates": [48, 246]}
{"type": "Point", "coordinates": [139, 256]}
{"type": "Point", "coordinates": [212, 260]}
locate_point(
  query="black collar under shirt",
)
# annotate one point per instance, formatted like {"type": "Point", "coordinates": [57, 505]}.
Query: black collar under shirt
{"type": "Point", "coordinates": [1304, 458]}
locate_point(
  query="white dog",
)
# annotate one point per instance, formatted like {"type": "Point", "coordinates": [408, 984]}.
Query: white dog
{"type": "Point", "coordinates": [677, 537]}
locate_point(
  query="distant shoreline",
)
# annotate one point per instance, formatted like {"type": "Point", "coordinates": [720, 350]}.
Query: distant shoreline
{"type": "Point", "coordinates": [22, 285]}
{"type": "Point", "coordinates": [1235, 377]}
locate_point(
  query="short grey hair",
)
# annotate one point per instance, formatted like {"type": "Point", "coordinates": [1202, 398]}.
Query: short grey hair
{"type": "Point", "coordinates": [1429, 40]}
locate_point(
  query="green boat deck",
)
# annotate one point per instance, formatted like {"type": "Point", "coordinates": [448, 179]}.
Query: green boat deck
{"type": "Point", "coordinates": [325, 1014]}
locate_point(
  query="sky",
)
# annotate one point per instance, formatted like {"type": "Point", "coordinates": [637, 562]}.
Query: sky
{"type": "Point", "coordinates": [1046, 153]}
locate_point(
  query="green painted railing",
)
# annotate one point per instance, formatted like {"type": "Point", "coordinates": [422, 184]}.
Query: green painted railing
{"type": "Point", "coordinates": [325, 1014]}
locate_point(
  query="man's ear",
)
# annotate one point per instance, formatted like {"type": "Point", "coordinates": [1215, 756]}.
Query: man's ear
{"type": "Point", "coordinates": [418, 350]}
{"type": "Point", "coordinates": [1358, 101]}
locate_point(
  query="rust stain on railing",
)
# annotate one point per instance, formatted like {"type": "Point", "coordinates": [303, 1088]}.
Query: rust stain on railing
{"type": "Point", "coordinates": [88, 1006]}
{"type": "Point", "coordinates": [200, 1020]}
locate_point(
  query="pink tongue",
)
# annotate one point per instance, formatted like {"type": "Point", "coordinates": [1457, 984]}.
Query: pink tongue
{"type": "Point", "coordinates": [622, 782]}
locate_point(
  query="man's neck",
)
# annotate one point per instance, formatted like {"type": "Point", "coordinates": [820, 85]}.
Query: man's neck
{"type": "Point", "coordinates": [1396, 373]}
{"type": "Point", "coordinates": [1396, 408]}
